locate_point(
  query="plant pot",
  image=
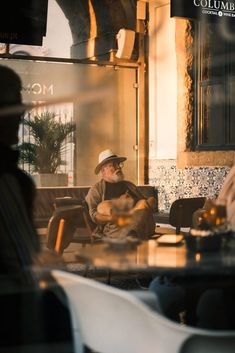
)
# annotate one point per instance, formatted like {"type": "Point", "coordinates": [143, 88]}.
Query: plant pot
{"type": "Point", "coordinates": [50, 180]}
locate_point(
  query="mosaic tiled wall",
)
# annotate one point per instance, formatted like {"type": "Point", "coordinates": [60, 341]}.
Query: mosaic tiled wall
{"type": "Point", "coordinates": [173, 183]}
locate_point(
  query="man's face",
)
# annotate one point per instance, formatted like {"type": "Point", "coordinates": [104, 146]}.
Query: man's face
{"type": "Point", "coordinates": [9, 123]}
{"type": "Point", "coordinates": [112, 172]}
{"type": "Point", "coordinates": [9, 127]}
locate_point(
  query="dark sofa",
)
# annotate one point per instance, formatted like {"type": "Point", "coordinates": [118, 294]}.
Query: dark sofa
{"type": "Point", "coordinates": [45, 199]}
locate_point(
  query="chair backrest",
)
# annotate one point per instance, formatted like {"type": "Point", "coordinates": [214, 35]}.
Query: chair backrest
{"type": "Point", "coordinates": [73, 217]}
{"type": "Point", "coordinates": [66, 201]}
{"type": "Point", "coordinates": [113, 320]}
{"type": "Point", "coordinates": [86, 220]}
{"type": "Point", "coordinates": [181, 211]}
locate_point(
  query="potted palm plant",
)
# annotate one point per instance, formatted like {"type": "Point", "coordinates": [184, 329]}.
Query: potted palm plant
{"type": "Point", "coordinates": [46, 148]}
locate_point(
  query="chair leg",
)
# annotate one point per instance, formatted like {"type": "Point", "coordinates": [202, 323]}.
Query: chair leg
{"type": "Point", "coordinates": [109, 276]}
{"type": "Point", "coordinates": [59, 236]}
{"type": "Point", "coordinates": [87, 267]}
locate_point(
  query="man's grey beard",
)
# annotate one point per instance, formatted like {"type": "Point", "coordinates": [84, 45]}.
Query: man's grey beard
{"type": "Point", "coordinates": [118, 177]}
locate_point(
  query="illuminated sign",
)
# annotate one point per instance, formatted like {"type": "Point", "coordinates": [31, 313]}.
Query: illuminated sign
{"type": "Point", "coordinates": [211, 10]}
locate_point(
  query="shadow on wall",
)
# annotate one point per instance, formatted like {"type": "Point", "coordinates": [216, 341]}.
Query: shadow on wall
{"type": "Point", "coordinates": [173, 183]}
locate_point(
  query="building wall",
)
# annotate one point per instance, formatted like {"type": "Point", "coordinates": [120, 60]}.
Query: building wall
{"type": "Point", "coordinates": [59, 39]}
{"type": "Point", "coordinates": [175, 171]}
{"type": "Point", "coordinates": [162, 84]}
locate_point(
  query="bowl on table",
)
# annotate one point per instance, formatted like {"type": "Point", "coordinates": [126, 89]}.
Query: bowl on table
{"type": "Point", "coordinates": [122, 242]}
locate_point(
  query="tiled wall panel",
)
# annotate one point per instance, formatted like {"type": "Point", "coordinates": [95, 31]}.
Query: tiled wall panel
{"type": "Point", "coordinates": [173, 183]}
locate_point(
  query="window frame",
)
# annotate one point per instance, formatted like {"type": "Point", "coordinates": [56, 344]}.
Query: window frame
{"type": "Point", "coordinates": [198, 121]}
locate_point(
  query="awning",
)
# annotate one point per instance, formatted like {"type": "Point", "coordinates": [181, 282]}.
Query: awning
{"type": "Point", "coordinates": [23, 22]}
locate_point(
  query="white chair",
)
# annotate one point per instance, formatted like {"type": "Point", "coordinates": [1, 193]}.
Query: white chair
{"type": "Point", "coordinates": [111, 320]}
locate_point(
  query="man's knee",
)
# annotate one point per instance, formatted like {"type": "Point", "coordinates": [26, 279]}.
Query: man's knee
{"type": "Point", "coordinates": [171, 296]}
{"type": "Point", "coordinates": [211, 311]}
{"type": "Point", "coordinates": [210, 299]}
{"type": "Point", "coordinates": [150, 203]}
{"type": "Point", "coordinates": [141, 205]}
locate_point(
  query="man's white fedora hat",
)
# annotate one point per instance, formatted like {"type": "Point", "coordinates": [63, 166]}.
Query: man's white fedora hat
{"type": "Point", "coordinates": [105, 157]}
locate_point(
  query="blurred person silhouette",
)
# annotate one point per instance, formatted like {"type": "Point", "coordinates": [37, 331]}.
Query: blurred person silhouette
{"type": "Point", "coordinates": [216, 309]}
{"type": "Point", "coordinates": [113, 191]}
{"type": "Point", "coordinates": [20, 242]}
{"type": "Point", "coordinates": [205, 301]}
{"type": "Point", "coordinates": [29, 315]}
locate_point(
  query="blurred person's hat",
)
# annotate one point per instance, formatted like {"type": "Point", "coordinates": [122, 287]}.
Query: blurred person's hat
{"type": "Point", "coordinates": [10, 92]}
{"type": "Point", "coordinates": [107, 156]}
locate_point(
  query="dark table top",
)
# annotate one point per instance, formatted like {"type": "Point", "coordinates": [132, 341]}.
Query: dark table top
{"type": "Point", "coordinates": [163, 259]}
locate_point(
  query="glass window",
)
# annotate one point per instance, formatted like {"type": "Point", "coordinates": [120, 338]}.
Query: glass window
{"type": "Point", "coordinates": [215, 79]}
{"type": "Point", "coordinates": [99, 100]}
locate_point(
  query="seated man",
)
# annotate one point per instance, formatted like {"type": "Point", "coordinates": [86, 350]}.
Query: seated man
{"type": "Point", "coordinates": [111, 187]}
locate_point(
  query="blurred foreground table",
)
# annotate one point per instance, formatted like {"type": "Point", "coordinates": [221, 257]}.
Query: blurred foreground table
{"type": "Point", "coordinates": [161, 259]}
